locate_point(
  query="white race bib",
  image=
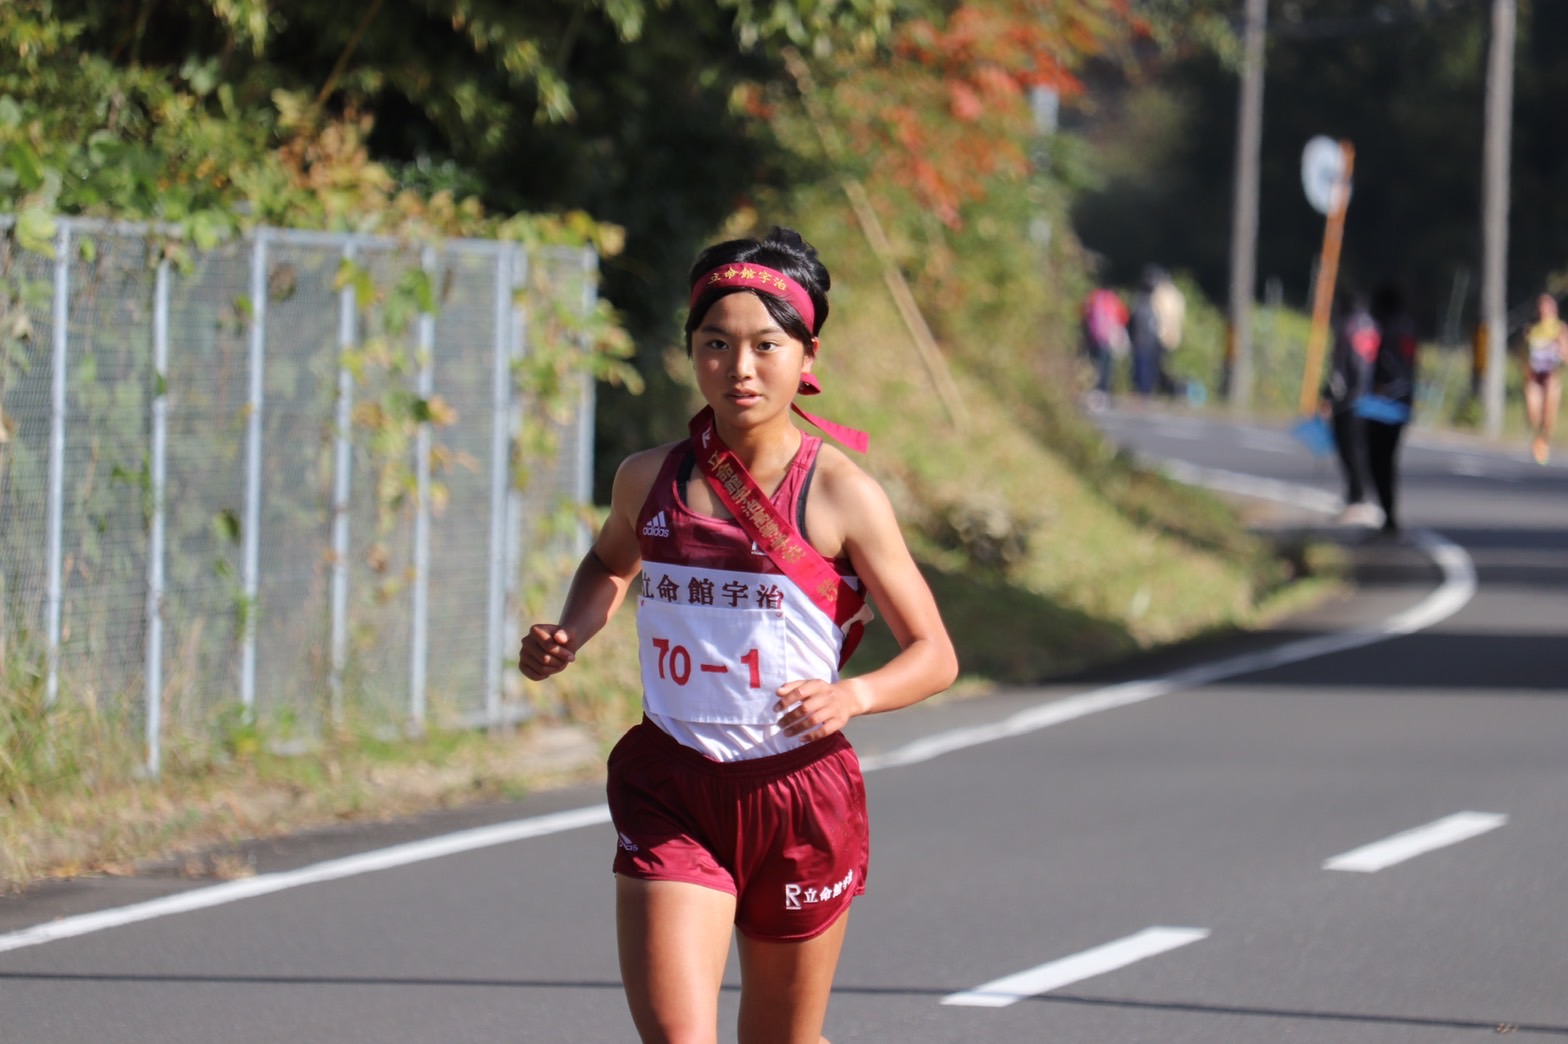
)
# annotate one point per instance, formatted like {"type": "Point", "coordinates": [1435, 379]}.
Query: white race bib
{"type": "Point", "coordinates": [705, 663]}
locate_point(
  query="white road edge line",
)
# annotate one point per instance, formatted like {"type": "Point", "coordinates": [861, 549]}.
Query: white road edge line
{"type": "Point", "coordinates": [1150, 942]}
{"type": "Point", "coordinates": [1450, 830]}
{"type": "Point", "coordinates": [1318, 500]}
{"type": "Point", "coordinates": [265, 884]}
{"type": "Point", "coordinates": [1458, 587]}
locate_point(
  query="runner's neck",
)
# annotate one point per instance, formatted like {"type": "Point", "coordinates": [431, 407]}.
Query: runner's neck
{"type": "Point", "coordinates": [765, 453]}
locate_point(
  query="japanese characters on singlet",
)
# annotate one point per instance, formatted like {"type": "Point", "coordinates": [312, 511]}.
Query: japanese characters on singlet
{"type": "Point", "coordinates": [719, 627]}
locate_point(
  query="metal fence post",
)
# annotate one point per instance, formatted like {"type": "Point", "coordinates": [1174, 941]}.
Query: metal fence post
{"type": "Point", "coordinates": [56, 506]}
{"type": "Point", "coordinates": [516, 508]}
{"type": "Point", "coordinates": [585, 411]}
{"type": "Point", "coordinates": [419, 653]}
{"type": "Point", "coordinates": [250, 568]}
{"type": "Point", "coordinates": [500, 466]}
{"type": "Point", "coordinates": [157, 475]}
{"type": "Point", "coordinates": [343, 460]}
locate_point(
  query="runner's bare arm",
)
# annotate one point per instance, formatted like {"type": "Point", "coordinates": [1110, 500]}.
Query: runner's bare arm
{"type": "Point", "coordinates": [855, 510]}
{"type": "Point", "coordinates": [602, 578]}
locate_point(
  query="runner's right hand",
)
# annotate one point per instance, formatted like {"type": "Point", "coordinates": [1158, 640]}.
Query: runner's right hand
{"type": "Point", "coordinates": [546, 651]}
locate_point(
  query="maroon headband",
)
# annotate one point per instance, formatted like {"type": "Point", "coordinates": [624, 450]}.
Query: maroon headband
{"type": "Point", "coordinates": [776, 283]}
{"type": "Point", "coordinates": [758, 277]}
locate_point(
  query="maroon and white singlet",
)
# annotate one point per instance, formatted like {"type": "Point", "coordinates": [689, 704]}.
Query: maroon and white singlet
{"type": "Point", "coordinates": [719, 626]}
{"type": "Point", "coordinates": [708, 789]}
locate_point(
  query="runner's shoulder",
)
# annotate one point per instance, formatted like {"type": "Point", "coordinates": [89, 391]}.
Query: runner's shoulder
{"type": "Point", "coordinates": [636, 474]}
{"type": "Point", "coordinates": [845, 484]}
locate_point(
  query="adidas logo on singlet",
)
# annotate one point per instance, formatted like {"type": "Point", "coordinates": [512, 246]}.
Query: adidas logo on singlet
{"type": "Point", "coordinates": [656, 526]}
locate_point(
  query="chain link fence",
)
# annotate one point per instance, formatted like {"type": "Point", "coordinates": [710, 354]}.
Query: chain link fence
{"type": "Point", "coordinates": [285, 481]}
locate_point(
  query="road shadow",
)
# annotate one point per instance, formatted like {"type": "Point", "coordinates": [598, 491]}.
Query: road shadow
{"type": "Point", "coordinates": [1490, 656]}
{"type": "Point", "coordinates": [611, 985]}
{"type": "Point", "coordinates": [1004, 633]}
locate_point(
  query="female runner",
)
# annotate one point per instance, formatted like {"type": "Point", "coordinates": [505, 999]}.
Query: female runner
{"type": "Point", "coordinates": [1545, 349]}
{"type": "Point", "coordinates": [749, 548]}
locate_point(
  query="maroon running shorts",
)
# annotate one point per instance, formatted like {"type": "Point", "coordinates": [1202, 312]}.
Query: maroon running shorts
{"type": "Point", "coordinates": [785, 834]}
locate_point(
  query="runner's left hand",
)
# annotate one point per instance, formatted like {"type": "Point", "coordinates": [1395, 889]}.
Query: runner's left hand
{"type": "Point", "coordinates": [815, 709]}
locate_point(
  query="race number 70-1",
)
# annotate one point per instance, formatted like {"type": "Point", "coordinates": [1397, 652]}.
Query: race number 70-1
{"type": "Point", "coordinates": [675, 663]}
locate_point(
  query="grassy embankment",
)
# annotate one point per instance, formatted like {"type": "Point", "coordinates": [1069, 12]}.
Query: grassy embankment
{"type": "Point", "coordinates": [1047, 551]}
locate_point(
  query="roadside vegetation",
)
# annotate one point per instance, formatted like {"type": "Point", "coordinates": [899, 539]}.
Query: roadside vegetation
{"type": "Point", "coordinates": [1048, 550]}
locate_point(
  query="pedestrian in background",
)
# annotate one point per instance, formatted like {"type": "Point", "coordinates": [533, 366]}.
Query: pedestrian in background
{"type": "Point", "coordinates": [1104, 340]}
{"type": "Point", "coordinates": [1170, 314]}
{"type": "Point", "coordinates": [1143, 336]}
{"type": "Point", "coordinates": [1545, 349]}
{"type": "Point", "coordinates": [1350, 377]}
{"type": "Point", "coordinates": [1387, 407]}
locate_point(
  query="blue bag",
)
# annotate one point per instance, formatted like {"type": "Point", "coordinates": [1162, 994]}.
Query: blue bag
{"type": "Point", "coordinates": [1382, 409]}
{"type": "Point", "coordinates": [1314, 433]}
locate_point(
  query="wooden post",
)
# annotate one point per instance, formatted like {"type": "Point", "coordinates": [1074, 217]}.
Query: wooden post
{"type": "Point", "coordinates": [1328, 270]}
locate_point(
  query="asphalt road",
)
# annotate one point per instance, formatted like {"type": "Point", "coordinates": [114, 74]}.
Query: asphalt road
{"type": "Point", "coordinates": [1352, 828]}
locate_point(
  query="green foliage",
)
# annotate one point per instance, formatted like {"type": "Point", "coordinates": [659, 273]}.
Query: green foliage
{"type": "Point", "coordinates": [209, 116]}
{"type": "Point", "coordinates": [29, 744]}
{"type": "Point", "coordinates": [1188, 27]}
{"type": "Point", "coordinates": [48, 748]}
{"type": "Point", "coordinates": [411, 118]}
{"type": "Point", "coordinates": [240, 736]}
{"type": "Point", "coordinates": [218, 126]}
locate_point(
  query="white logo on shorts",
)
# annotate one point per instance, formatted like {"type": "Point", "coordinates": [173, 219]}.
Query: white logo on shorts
{"type": "Point", "coordinates": [797, 897]}
{"type": "Point", "coordinates": [627, 843]}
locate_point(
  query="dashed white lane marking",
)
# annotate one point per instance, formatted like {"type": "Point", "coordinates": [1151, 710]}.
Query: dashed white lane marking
{"type": "Point", "coordinates": [1011, 989]}
{"type": "Point", "coordinates": [1451, 830]}
{"type": "Point", "coordinates": [1480, 467]}
{"type": "Point", "coordinates": [1457, 588]}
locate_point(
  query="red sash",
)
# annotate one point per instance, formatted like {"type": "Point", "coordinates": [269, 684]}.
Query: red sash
{"type": "Point", "coordinates": [775, 534]}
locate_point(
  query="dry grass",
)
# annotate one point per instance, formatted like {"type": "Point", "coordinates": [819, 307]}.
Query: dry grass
{"type": "Point", "coordinates": [1081, 558]}
{"type": "Point", "coordinates": [188, 819]}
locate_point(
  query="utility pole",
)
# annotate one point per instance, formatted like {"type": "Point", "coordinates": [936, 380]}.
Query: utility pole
{"type": "Point", "coordinates": [1494, 209]}
{"type": "Point", "coordinates": [1244, 208]}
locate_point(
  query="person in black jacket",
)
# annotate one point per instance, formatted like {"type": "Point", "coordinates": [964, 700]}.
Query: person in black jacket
{"type": "Point", "coordinates": [1388, 407]}
{"type": "Point", "coordinates": [1350, 377]}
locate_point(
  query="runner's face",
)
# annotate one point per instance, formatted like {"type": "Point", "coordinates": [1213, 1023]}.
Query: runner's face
{"type": "Point", "coordinates": [748, 369]}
